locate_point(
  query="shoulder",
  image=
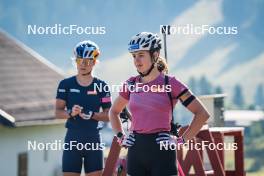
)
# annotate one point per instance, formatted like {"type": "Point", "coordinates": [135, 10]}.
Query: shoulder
{"type": "Point", "coordinates": [177, 85]}
{"type": "Point", "coordinates": [101, 86]}
{"type": "Point", "coordinates": [174, 80]}
{"type": "Point", "coordinates": [68, 81]}
{"type": "Point", "coordinates": [132, 79]}
{"type": "Point", "coordinates": [99, 81]}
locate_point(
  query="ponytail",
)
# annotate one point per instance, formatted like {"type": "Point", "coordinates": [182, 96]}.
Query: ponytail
{"type": "Point", "coordinates": [162, 65]}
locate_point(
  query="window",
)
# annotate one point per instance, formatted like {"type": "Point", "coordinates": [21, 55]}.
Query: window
{"type": "Point", "coordinates": [23, 164]}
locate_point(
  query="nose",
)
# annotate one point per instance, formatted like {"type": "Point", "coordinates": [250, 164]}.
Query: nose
{"type": "Point", "coordinates": [83, 62]}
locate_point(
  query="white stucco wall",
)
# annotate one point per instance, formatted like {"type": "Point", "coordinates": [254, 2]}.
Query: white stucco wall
{"type": "Point", "coordinates": [15, 140]}
{"type": "Point", "coordinates": [208, 102]}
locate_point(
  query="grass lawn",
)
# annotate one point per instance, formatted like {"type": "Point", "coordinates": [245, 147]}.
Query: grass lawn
{"type": "Point", "coordinates": [259, 173]}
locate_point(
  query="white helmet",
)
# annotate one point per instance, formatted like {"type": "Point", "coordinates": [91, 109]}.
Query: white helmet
{"type": "Point", "coordinates": [144, 41]}
{"type": "Point", "coordinates": [86, 50]}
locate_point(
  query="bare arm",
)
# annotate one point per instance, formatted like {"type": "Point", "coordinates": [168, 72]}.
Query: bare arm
{"type": "Point", "coordinates": [118, 105]}
{"type": "Point", "coordinates": [60, 111]}
{"type": "Point", "coordinates": [101, 116]}
{"type": "Point", "coordinates": [200, 117]}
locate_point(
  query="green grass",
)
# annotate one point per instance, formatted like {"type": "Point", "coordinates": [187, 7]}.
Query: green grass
{"type": "Point", "coordinates": [249, 163]}
{"type": "Point", "coordinates": [258, 173]}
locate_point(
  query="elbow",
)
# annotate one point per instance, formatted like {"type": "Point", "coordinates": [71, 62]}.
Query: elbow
{"type": "Point", "coordinates": [205, 114]}
{"type": "Point", "coordinates": [107, 119]}
{"type": "Point", "coordinates": [56, 114]}
{"type": "Point", "coordinates": [112, 114]}
{"type": "Point", "coordinates": [107, 116]}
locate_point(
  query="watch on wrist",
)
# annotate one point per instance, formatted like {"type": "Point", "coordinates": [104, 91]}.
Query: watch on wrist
{"type": "Point", "coordinates": [119, 135]}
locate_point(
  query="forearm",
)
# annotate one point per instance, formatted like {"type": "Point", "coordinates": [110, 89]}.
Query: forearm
{"type": "Point", "coordinates": [195, 126]}
{"type": "Point", "coordinates": [101, 116]}
{"type": "Point", "coordinates": [115, 122]}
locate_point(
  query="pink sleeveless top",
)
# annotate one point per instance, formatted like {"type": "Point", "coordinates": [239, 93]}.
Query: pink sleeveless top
{"type": "Point", "coordinates": [150, 108]}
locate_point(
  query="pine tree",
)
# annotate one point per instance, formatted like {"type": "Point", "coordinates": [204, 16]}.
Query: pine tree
{"type": "Point", "coordinates": [205, 87]}
{"type": "Point", "coordinates": [192, 83]}
{"type": "Point", "coordinates": [238, 98]}
{"type": "Point", "coordinates": [218, 90]}
{"type": "Point", "coordinates": [259, 96]}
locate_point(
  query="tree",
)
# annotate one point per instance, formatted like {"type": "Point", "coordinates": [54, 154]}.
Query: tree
{"type": "Point", "coordinates": [238, 98]}
{"type": "Point", "coordinates": [193, 85]}
{"type": "Point", "coordinates": [218, 90]}
{"type": "Point", "coordinates": [204, 86]}
{"type": "Point", "coordinates": [259, 96]}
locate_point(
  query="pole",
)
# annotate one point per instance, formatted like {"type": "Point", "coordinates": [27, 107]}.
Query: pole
{"type": "Point", "coordinates": [165, 30]}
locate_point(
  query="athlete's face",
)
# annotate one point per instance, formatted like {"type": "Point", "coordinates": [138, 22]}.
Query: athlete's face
{"type": "Point", "coordinates": [142, 60]}
{"type": "Point", "coordinates": [84, 66]}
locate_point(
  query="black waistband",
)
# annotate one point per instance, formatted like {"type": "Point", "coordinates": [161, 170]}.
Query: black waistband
{"type": "Point", "coordinates": [149, 134]}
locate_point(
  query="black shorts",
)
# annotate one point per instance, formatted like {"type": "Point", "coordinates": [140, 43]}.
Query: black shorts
{"type": "Point", "coordinates": [145, 158]}
{"type": "Point", "coordinates": [90, 157]}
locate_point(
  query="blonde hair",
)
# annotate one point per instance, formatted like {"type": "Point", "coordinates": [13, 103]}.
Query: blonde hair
{"type": "Point", "coordinates": [160, 62]}
{"type": "Point", "coordinates": [162, 65]}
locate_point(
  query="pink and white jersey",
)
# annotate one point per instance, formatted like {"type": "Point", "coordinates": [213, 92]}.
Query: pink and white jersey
{"type": "Point", "coordinates": [151, 110]}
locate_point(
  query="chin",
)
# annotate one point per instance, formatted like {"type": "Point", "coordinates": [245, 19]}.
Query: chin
{"type": "Point", "coordinates": [81, 72]}
{"type": "Point", "coordinates": [143, 71]}
{"type": "Point", "coordinates": [140, 70]}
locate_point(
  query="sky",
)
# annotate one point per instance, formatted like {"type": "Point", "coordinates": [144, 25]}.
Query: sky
{"type": "Point", "coordinates": [225, 59]}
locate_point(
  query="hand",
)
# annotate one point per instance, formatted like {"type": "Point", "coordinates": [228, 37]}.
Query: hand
{"type": "Point", "coordinates": [76, 109]}
{"type": "Point", "coordinates": [87, 116]}
{"type": "Point", "coordinates": [127, 140]}
{"type": "Point", "coordinates": [166, 138]}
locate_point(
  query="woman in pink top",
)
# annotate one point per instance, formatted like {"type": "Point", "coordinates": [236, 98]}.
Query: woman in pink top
{"type": "Point", "coordinates": [150, 97]}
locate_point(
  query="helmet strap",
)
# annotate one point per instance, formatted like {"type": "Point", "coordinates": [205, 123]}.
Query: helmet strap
{"type": "Point", "coordinates": [152, 65]}
{"type": "Point", "coordinates": [153, 60]}
{"type": "Point", "coordinates": [148, 72]}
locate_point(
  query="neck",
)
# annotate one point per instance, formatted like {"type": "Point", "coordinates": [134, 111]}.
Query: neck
{"type": "Point", "coordinates": [84, 80]}
{"type": "Point", "coordinates": [153, 75]}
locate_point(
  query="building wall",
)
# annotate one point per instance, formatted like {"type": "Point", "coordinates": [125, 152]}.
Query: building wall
{"type": "Point", "coordinates": [215, 106]}
{"type": "Point", "coordinates": [209, 104]}
{"type": "Point", "coordinates": [15, 140]}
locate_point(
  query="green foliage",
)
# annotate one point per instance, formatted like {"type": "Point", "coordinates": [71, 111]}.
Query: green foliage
{"type": "Point", "coordinates": [218, 90]}
{"type": "Point", "coordinates": [255, 146]}
{"type": "Point", "coordinates": [256, 130]}
{"type": "Point", "coordinates": [259, 96]}
{"type": "Point", "coordinates": [202, 86]}
{"type": "Point", "coordinates": [238, 97]}
{"type": "Point", "coordinates": [205, 86]}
